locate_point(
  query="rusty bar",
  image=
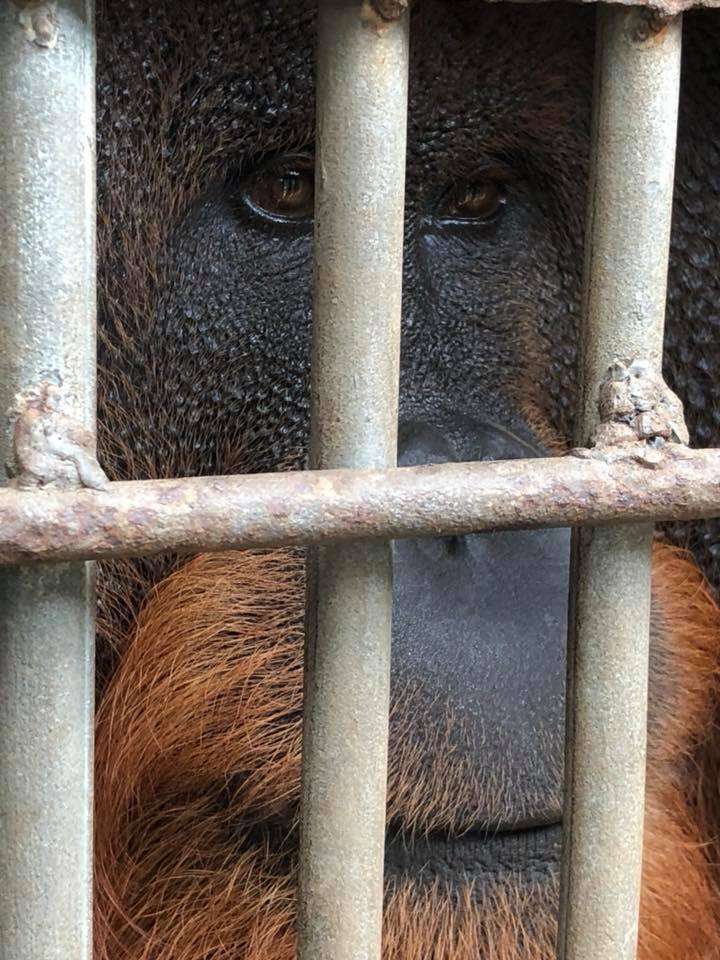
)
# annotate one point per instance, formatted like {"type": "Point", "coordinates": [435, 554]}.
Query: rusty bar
{"type": "Point", "coordinates": [630, 203]}
{"type": "Point", "coordinates": [666, 8]}
{"type": "Point", "coordinates": [47, 333]}
{"type": "Point", "coordinates": [268, 510]}
{"type": "Point", "coordinates": [362, 78]}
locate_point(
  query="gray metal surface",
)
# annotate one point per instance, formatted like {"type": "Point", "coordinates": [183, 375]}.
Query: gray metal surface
{"type": "Point", "coordinates": [47, 332]}
{"type": "Point", "coordinates": [222, 513]}
{"type": "Point", "coordinates": [661, 7]}
{"type": "Point", "coordinates": [359, 209]}
{"type": "Point", "coordinates": [635, 120]}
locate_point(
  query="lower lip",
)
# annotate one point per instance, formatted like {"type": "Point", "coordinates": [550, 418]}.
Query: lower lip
{"type": "Point", "coordinates": [532, 855]}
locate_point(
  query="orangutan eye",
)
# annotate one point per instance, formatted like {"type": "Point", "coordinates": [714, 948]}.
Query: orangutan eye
{"type": "Point", "coordinates": [481, 200]}
{"type": "Point", "coordinates": [283, 190]}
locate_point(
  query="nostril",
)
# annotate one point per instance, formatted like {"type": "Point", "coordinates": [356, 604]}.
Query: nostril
{"type": "Point", "coordinates": [454, 544]}
{"type": "Point", "coordinates": [433, 550]}
{"type": "Point", "coordinates": [436, 550]}
{"type": "Point", "coordinates": [421, 443]}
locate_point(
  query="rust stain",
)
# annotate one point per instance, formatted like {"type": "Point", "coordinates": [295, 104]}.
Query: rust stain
{"type": "Point", "coordinates": [38, 20]}
{"type": "Point", "coordinates": [653, 27]}
{"type": "Point", "coordinates": [378, 15]}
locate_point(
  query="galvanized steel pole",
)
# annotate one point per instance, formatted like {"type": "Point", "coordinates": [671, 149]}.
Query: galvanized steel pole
{"type": "Point", "coordinates": [631, 186]}
{"type": "Point", "coordinates": [359, 209]}
{"type": "Point", "coordinates": [47, 332]}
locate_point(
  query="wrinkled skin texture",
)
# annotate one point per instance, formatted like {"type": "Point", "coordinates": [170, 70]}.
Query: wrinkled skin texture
{"type": "Point", "coordinates": [205, 320]}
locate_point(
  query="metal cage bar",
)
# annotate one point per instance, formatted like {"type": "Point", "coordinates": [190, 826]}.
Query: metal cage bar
{"type": "Point", "coordinates": [630, 204]}
{"type": "Point", "coordinates": [47, 333]}
{"type": "Point", "coordinates": [359, 211]}
{"type": "Point", "coordinates": [141, 518]}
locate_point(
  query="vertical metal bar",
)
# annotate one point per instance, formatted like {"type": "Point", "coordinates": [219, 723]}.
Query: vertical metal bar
{"type": "Point", "coordinates": [359, 208]}
{"type": "Point", "coordinates": [631, 185]}
{"type": "Point", "coordinates": [47, 330]}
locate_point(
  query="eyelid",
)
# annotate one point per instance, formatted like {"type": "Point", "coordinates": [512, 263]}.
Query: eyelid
{"type": "Point", "coordinates": [281, 164]}
{"type": "Point", "coordinates": [494, 170]}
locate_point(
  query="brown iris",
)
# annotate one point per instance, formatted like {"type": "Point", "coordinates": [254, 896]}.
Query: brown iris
{"type": "Point", "coordinates": [480, 200]}
{"type": "Point", "coordinates": [285, 189]}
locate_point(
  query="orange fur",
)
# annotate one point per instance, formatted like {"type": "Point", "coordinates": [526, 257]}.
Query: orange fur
{"type": "Point", "coordinates": [198, 742]}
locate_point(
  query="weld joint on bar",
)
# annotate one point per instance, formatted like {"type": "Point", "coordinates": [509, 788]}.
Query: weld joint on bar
{"type": "Point", "coordinates": [651, 26]}
{"type": "Point", "coordinates": [390, 10]}
{"type": "Point", "coordinates": [49, 447]}
{"type": "Point", "coordinates": [39, 23]}
{"type": "Point", "coordinates": [639, 415]}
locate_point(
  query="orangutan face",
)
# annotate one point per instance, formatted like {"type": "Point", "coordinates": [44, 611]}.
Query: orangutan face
{"type": "Point", "coordinates": [206, 124]}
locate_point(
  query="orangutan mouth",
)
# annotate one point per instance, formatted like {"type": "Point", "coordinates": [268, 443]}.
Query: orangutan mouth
{"type": "Point", "coordinates": [481, 856]}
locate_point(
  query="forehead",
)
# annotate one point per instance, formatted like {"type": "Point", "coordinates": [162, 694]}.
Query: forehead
{"type": "Point", "coordinates": [241, 76]}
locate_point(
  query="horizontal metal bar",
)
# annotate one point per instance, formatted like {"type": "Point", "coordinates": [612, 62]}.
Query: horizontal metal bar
{"type": "Point", "coordinates": [47, 333]}
{"type": "Point", "coordinates": [362, 88]}
{"type": "Point", "coordinates": [267, 510]}
{"type": "Point", "coordinates": [654, 8]}
{"type": "Point", "coordinates": [637, 77]}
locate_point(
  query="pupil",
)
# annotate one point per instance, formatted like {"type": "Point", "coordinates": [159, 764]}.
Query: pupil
{"type": "Point", "coordinates": [289, 185]}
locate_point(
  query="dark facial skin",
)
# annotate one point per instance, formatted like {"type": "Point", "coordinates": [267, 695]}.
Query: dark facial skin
{"type": "Point", "coordinates": [206, 187]}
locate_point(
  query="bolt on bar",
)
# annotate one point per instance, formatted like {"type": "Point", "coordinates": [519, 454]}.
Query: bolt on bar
{"type": "Point", "coordinates": [630, 201]}
{"type": "Point", "coordinates": [359, 209]}
{"type": "Point", "coordinates": [47, 330]}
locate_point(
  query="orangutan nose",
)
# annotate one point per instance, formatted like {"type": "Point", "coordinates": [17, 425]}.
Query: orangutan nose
{"type": "Point", "coordinates": [458, 439]}
{"type": "Point", "coordinates": [479, 625]}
